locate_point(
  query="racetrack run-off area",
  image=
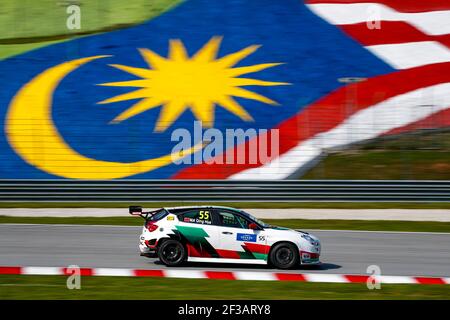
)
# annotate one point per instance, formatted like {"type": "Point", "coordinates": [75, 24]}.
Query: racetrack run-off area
{"type": "Point", "coordinates": [441, 215]}
{"type": "Point", "coordinates": [344, 252]}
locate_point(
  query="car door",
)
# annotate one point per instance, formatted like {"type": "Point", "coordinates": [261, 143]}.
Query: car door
{"type": "Point", "coordinates": [198, 232]}
{"type": "Point", "coordinates": [237, 240]}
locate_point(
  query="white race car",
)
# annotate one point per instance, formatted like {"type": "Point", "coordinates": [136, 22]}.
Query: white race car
{"type": "Point", "coordinates": [222, 234]}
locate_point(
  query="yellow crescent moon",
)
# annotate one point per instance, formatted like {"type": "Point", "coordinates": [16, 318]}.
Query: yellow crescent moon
{"type": "Point", "coordinates": [33, 135]}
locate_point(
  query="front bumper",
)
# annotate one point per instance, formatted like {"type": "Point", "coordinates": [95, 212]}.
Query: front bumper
{"type": "Point", "coordinates": [309, 258]}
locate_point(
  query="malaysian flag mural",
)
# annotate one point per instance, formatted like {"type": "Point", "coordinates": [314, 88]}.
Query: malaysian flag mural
{"type": "Point", "coordinates": [304, 77]}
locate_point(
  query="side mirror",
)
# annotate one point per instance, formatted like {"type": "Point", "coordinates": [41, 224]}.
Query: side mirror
{"type": "Point", "coordinates": [253, 226]}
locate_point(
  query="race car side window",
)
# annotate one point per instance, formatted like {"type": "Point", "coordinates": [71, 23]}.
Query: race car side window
{"type": "Point", "coordinates": [199, 216]}
{"type": "Point", "coordinates": [244, 222]}
{"type": "Point", "coordinates": [228, 219]}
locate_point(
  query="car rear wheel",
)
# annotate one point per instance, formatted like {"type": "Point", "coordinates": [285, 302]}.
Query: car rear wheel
{"type": "Point", "coordinates": [284, 256]}
{"type": "Point", "coordinates": [172, 253]}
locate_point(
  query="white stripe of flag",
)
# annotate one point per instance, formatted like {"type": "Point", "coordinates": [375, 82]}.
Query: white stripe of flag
{"type": "Point", "coordinates": [432, 22]}
{"type": "Point", "coordinates": [411, 54]}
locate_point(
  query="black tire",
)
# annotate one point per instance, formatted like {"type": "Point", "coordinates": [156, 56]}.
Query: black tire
{"type": "Point", "coordinates": [172, 253]}
{"type": "Point", "coordinates": [284, 256]}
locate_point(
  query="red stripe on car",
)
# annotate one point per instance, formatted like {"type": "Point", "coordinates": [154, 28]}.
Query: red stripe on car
{"type": "Point", "coordinates": [193, 252]}
{"type": "Point", "coordinates": [257, 248]}
{"type": "Point", "coordinates": [230, 254]}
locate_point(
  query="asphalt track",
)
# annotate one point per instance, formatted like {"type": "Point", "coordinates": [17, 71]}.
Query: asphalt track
{"type": "Point", "coordinates": [347, 252]}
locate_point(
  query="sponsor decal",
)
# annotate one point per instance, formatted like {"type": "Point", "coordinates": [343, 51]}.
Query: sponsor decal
{"type": "Point", "coordinates": [203, 221]}
{"type": "Point", "coordinates": [197, 220]}
{"type": "Point", "coordinates": [204, 217]}
{"type": "Point", "coordinates": [309, 256]}
{"type": "Point", "coordinates": [170, 218]}
{"type": "Point", "coordinates": [246, 237]}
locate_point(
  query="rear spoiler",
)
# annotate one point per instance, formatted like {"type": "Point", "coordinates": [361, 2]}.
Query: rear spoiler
{"type": "Point", "coordinates": [137, 211]}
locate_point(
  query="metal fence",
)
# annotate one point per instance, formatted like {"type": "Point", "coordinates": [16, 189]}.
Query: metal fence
{"type": "Point", "coordinates": [224, 191]}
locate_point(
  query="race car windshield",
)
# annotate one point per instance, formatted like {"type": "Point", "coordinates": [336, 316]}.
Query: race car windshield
{"type": "Point", "coordinates": [261, 223]}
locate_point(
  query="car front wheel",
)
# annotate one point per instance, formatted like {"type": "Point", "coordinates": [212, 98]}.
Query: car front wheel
{"type": "Point", "coordinates": [172, 253]}
{"type": "Point", "coordinates": [284, 256]}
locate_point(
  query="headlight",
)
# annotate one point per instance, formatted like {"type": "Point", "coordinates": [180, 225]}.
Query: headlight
{"type": "Point", "coordinates": [308, 238]}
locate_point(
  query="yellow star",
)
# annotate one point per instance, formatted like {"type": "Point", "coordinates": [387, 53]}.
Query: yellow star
{"type": "Point", "coordinates": [199, 83]}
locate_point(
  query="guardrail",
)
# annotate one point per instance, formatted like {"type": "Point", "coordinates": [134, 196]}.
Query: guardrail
{"type": "Point", "coordinates": [223, 191]}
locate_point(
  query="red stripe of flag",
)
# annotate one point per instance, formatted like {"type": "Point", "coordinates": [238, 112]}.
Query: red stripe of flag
{"type": "Point", "coordinates": [220, 275]}
{"type": "Point", "coordinates": [399, 5]}
{"type": "Point", "coordinates": [390, 32]}
{"type": "Point", "coordinates": [328, 112]}
{"type": "Point", "coordinates": [148, 273]}
{"type": "Point", "coordinates": [424, 280]}
{"type": "Point", "coordinates": [290, 277]}
{"type": "Point", "coordinates": [10, 270]}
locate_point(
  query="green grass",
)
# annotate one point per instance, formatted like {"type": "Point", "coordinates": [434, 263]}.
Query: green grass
{"type": "Point", "coordinates": [27, 19]}
{"type": "Point", "coordinates": [54, 287]}
{"type": "Point", "coordinates": [28, 24]}
{"type": "Point", "coordinates": [243, 205]}
{"type": "Point", "coordinates": [410, 226]}
{"type": "Point", "coordinates": [413, 156]}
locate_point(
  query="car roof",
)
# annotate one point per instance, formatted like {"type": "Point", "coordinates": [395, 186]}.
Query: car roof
{"type": "Point", "coordinates": [180, 209]}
